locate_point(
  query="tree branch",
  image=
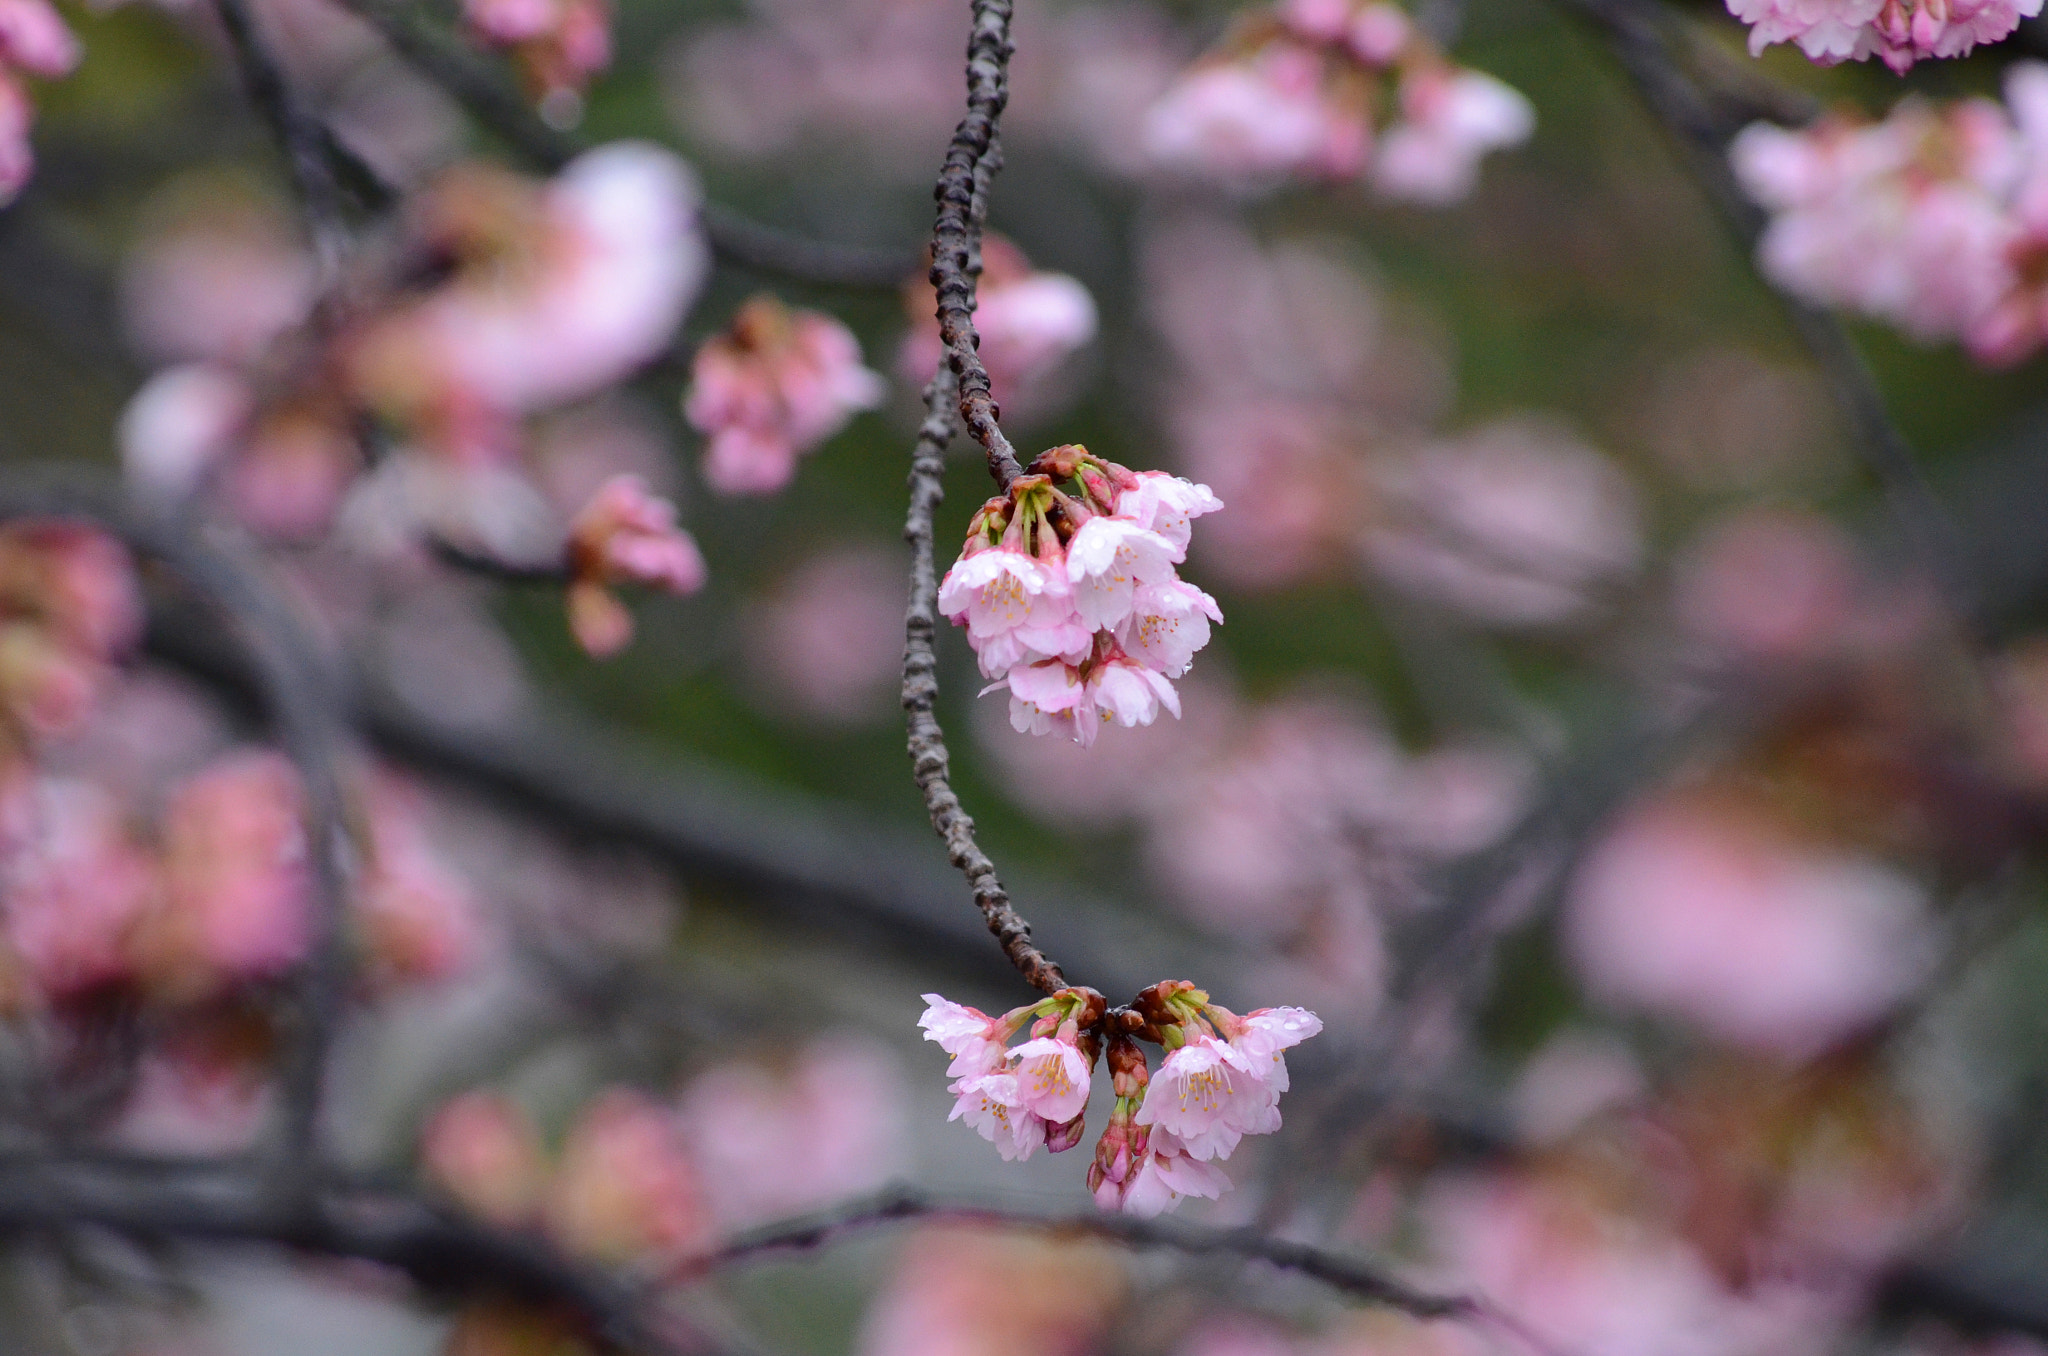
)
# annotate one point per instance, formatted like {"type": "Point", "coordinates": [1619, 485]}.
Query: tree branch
{"type": "Point", "coordinates": [972, 160]}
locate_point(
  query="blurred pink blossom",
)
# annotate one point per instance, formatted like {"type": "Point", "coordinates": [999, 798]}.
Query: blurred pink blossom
{"type": "Point", "coordinates": [624, 1190]}
{"type": "Point", "coordinates": [1283, 109]}
{"type": "Point", "coordinates": [826, 639]}
{"type": "Point", "coordinates": [33, 41]}
{"type": "Point", "coordinates": [69, 607]}
{"type": "Point", "coordinates": [557, 292]}
{"type": "Point", "coordinates": [234, 905]}
{"type": "Point", "coordinates": [624, 535]}
{"type": "Point", "coordinates": [415, 917]}
{"type": "Point", "coordinates": [482, 1149]}
{"type": "Point", "coordinates": [1769, 584]}
{"type": "Point", "coordinates": [1701, 908]}
{"type": "Point", "coordinates": [220, 279]}
{"type": "Point", "coordinates": [203, 1092]}
{"type": "Point", "coordinates": [74, 884]}
{"type": "Point", "coordinates": [557, 46]}
{"type": "Point", "coordinates": [182, 422]}
{"type": "Point", "coordinates": [773, 1141]}
{"type": "Point", "coordinates": [1029, 321]}
{"type": "Point", "coordinates": [981, 1293]}
{"type": "Point", "coordinates": [1450, 118]}
{"type": "Point", "coordinates": [772, 387]}
{"type": "Point", "coordinates": [1515, 524]}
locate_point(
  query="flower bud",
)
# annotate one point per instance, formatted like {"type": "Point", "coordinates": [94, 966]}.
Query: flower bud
{"type": "Point", "coordinates": [1062, 1137]}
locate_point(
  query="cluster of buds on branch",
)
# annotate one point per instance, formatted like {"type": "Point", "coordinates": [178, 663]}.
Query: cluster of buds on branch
{"type": "Point", "coordinates": [1220, 1081]}
{"type": "Point", "coordinates": [1071, 600]}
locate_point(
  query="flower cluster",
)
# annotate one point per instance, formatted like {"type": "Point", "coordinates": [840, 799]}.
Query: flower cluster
{"type": "Point", "coordinates": [33, 41]}
{"type": "Point", "coordinates": [1303, 91]}
{"type": "Point", "coordinates": [500, 299]}
{"type": "Point", "coordinates": [557, 45]}
{"type": "Point", "coordinates": [1934, 219]}
{"type": "Point", "coordinates": [1071, 601]}
{"type": "Point", "coordinates": [624, 534]}
{"type": "Point", "coordinates": [1900, 32]}
{"type": "Point", "coordinates": [772, 387]}
{"type": "Point", "coordinates": [1220, 1081]}
{"type": "Point", "coordinates": [68, 609]}
{"type": "Point", "coordinates": [1029, 321]}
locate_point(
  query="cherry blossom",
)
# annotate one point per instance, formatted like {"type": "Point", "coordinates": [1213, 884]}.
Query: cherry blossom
{"type": "Point", "coordinates": [624, 534]}
{"type": "Point", "coordinates": [558, 45]}
{"type": "Point", "coordinates": [1030, 321]}
{"type": "Point", "coordinates": [772, 387]}
{"type": "Point", "coordinates": [1299, 92]}
{"type": "Point", "coordinates": [976, 1041]}
{"type": "Point", "coordinates": [1026, 1098]}
{"type": "Point", "coordinates": [1899, 32]}
{"type": "Point", "coordinates": [1072, 604]}
{"type": "Point", "coordinates": [993, 1105]}
{"type": "Point", "coordinates": [33, 41]}
{"type": "Point", "coordinates": [416, 918]}
{"type": "Point", "coordinates": [624, 1190]}
{"type": "Point", "coordinates": [74, 884]}
{"type": "Point", "coordinates": [483, 1150]}
{"type": "Point", "coordinates": [1224, 1080]}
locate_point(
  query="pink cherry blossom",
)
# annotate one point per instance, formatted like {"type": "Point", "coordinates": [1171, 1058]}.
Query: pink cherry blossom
{"type": "Point", "coordinates": [1029, 321]}
{"type": "Point", "coordinates": [1018, 608]}
{"type": "Point", "coordinates": [1263, 1033]}
{"type": "Point", "coordinates": [1107, 560]}
{"type": "Point", "coordinates": [35, 39]}
{"type": "Point", "coordinates": [1208, 1095]}
{"type": "Point", "coordinates": [1052, 1077]}
{"type": "Point", "coordinates": [976, 1041]}
{"type": "Point", "coordinates": [624, 535]}
{"type": "Point", "coordinates": [1167, 625]}
{"type": "Point", "coordinates": [218, 281]}
{"type": "Point", "coordinates": [824, 641]}
{"type": "Point", "coordinates": [483, 1149]}
{"type": "Point", "coordinates": [1166, 1174]}
{"type": "Point", "coordinates": [774, 386]}
{"type": "Point", "coordinates": [624, 1190]}
{"type": "Point", "coordinates": [1275, 112]}
{"type": "Point", "coordinates": [993, 1104]}
{"type": "Point", "coordinates": [1124, 691]}
{"type": "Point", "coordinates": [1051, 696]}
{"type": "Point", "coordinates": [1898, 31]}
{"type": "Point", "coordinates": [1166, 504]}
{"type": "Point", "coordinates": [235, 877]}
{"type": "Point", "coordinates": [1704, 909]}
{"type": "Point", "coordinates": [17, 156]}
{"type": "Point", "coordinates": [1450, 119]}
{"type": "Point", "coordinates": [182, 422]}
{"type": "Point", "coordinates": [417, 918]}
{"type": "Point", "coordinates": [775, 1140]}
{"type": "Point", "coordinates": [558, 45]}
{"type": "Point", "coordinates": [74, 887]}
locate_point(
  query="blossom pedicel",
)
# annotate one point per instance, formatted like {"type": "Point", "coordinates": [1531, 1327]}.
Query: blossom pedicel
{"type": "Point", "coordinates": [1221, 1080]}
{"type": "Point", "coordinates": [1072, 602]}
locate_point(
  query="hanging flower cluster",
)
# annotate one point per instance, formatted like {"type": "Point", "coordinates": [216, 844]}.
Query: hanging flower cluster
{"type": "Point", "coordinates": [1220, 1081]}
{"type": "Point", "coordinates": [1934, 219]}
{"type": "Point", "coordinates": [772, 387]}
{"type": "Point", "coordinates": [1071, 601]}
{"type": "Point", "coordinates": [1336, 89]}
{"type": "Point", "coordinates": [1900, 32]}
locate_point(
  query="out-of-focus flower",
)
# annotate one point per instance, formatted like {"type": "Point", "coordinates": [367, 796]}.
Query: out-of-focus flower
{"type": "Point", "coordinates": [1769, 584]}
{"type": "Point", "coordinates": [219, 281]}
{"type": "Point", "coordinates": [827, 640]}
{"type": "Point", "coordinates": [1898, 31]}
{"type": "Point", "coordinates": [775, 1141]}
{"type": "Point", "coordinates": [73, 884]}
{"type": "Point", "coordinates": [483, 1150]}
{"type": "Point", "coordinates": [1934, 219]}
{"type": "Point", "coordinates": [555, 293]}
{"type": "Point", "coordinates": [624, 535]}
{"type": "Point", "coordinates": [994, 1294]}
{"type": "Point", "coordinates": [34, 41]}
{"type": "Point", "coordinates": [624, 1190]}
{"type": "Point", "coordinates": [557, 45]}
{"type": "Point", "coordinates": [234, 902]}
{"type": "Point", "coordinates": [203, 1092]}
{"type": "Point", "coordinates": [68, 608]}
{"type": "Point", "coordinates": [1029, 323]}
{"type": "Point", "coordinates": [772, 387]}
{"type": "Point", "coordinates": [1300, 91]}
{"type": "Point", "coordinates": [415, 917]}
{"type": "Point", "coordinates": [1516, 524]}
{"type": "Point", "coordinates": [1700, 907]}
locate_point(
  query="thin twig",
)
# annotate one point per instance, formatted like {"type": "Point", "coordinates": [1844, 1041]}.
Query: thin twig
{"type": "Point", "coordinates": [493, 102]}
{"type": "Point", "coordinates": [1352, 1275]}
{"type": "Point", "coordinates": [971, 160]}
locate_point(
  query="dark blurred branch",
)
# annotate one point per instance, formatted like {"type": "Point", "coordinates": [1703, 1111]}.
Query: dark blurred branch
{"type": "Point", "coordinates": [288, 680]}
{"type": "Point", "coordinates": [494, 103]}
{"type": "Point", "coordinates": [228, 1203]}
{"type": "Point", "coordinates": [305, 144]}
{"type": "Point", "coordinates": [1351, 1275]}
{"type": "Point", "coordinates": [1640, 36]}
